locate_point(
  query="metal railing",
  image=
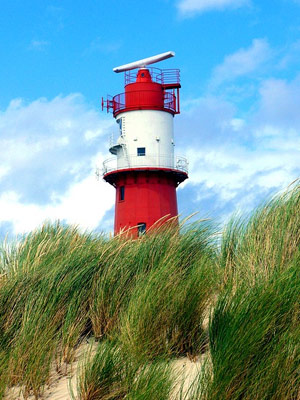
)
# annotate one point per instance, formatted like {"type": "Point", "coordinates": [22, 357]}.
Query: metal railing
{"type": "Point", "coordinates": [143, 99]}
{"type": "Point", "coordinates": [150, 161]}
{"type": "Point", "coordinates": [162, 76]}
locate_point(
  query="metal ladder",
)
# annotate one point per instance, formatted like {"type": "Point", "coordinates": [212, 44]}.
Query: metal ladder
{"type": "Point", "coordinates": [124, 147]}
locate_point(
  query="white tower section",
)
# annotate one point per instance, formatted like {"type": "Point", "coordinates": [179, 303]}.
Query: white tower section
{"type": "Point", "coordinates": [145, 139]}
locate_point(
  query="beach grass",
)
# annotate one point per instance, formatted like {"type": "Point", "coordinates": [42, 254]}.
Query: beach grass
{"type": "Point", "coordinates": [254, 329]}
{"type": "Point", "coordinates": [146, 303]}
{"type": "Point", "coordinates": [112, 374]}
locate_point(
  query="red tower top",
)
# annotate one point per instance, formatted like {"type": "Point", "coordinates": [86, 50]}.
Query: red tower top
{"type": "Point", "coordinates": [147, 89]}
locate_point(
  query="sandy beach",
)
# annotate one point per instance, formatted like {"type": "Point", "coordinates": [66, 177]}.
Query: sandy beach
{"type": "Point", "coordinates": [62, 384]}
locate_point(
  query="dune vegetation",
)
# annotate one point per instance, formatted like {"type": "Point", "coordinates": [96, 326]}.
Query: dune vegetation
{"type": "Point", "coordinates": [144, 303]}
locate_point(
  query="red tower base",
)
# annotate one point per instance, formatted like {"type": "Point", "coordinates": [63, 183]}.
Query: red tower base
{"type": "Point", "coordinates": [144, 196]}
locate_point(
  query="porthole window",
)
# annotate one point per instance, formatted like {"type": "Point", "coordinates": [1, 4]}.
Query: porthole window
{"type": "Point", "coordinates": [141, 151]}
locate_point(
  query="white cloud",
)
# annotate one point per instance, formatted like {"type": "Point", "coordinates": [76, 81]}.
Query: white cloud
{"type": "Point", "coordinates": [235, 163]}
{"type": "Point", "coordinates": [188, 7]}
{"type": "Point", "coordinates": [48, 151]}
{"type": "Point", "coordinates": [84, 204]}
{"type": "Point", "coordinates": [91, 134]}
{"type": "Point", "coordinates": [280, 102]}
{"type": "Point", "coordinates": [243, 62]}
{"type": "Point", "coordinates": [61, 126]}
{"type": "Point", "coordinates": [233, 171]}
{"type": "Point", "coordinates": [3, 171]}
{"type": "Point", "coordinates": [237, 124]}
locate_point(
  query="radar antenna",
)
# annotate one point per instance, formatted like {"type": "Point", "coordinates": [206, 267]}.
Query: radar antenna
{"type": "Point", "coordinates": [144, 62]}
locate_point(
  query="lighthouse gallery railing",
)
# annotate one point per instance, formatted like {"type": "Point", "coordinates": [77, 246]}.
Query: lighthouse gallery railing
{"type": "Point", "coordinates": [162, 76]}
{"type": "Point", "coordinates": [143, 98]}
{"type": "Point", "coordinates": [151, 161]}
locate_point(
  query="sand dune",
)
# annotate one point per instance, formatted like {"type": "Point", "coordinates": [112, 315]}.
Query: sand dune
{"type": "Point", "coordinates": [185, 372]}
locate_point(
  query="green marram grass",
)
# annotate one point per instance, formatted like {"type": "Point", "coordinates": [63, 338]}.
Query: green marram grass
{"type": "Point", "coordinates": [145, 303]}
{"type": "Point", "coordinates": [255, 325]}
{"type": "Point", "coordinates": [113, 374]}
{"type": "Point", "coordinates": [165, 312]}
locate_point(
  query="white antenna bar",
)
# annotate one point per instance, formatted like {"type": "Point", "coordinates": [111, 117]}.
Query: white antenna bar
{"type": "Point", "coordinates": [145, 61]}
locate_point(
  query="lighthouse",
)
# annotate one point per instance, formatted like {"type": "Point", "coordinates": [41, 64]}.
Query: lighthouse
{"type": "Point", "coordinates": [144, 169]}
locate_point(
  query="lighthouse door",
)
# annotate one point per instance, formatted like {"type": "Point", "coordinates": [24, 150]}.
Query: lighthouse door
{"type": "Point", "coordinates": [141, 229]}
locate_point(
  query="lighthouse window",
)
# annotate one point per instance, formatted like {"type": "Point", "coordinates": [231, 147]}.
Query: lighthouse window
{"type": "Point", "coordinates": [141, 228]}
{"type": "Point", "coordinates": [122, 193]}
{"type": "Point", "coordinates": [141, 151]}
{"type": "Point", "coordinates": [119, 122]}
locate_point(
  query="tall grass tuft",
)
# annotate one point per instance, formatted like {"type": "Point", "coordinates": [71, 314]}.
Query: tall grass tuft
{"type": "Point", "coordinates": [44, 301]}
{"type": "Point", "coordinates": [168, 303]}
{"type": "Point", "coordinates": [111, 374]}
{"type": "Point", "coordinates": [254, 340]}
{"type": "Point", "coordinates": [254, 248]}
{"type": "Point", "coordinates": [254, 329]}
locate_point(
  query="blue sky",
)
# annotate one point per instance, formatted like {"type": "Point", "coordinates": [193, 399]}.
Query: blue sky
{"type": "Point", "coordinates": [240, 120]}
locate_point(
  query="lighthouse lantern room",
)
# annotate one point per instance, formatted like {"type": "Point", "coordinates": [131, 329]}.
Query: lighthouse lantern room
{"type": "Point", "coordinates": [144, 169]}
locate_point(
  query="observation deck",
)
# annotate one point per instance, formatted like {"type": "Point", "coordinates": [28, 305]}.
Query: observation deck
{"type": "Point", "coordinates": [152, 161]}
{"type": "Point", "coordinates": [177, 166]}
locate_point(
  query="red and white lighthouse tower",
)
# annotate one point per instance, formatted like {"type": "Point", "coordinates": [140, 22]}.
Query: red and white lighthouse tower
{"type": "Point", "coordinates": [144, 170]}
